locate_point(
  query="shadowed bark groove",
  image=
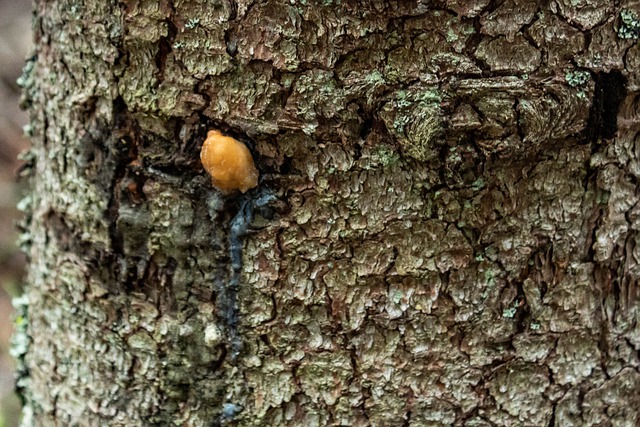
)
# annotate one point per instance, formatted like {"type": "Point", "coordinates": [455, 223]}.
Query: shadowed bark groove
{"type": "Point", "coordinates": [446, 230]}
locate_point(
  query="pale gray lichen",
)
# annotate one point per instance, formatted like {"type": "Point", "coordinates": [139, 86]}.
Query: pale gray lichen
{"type": "Point", "coordinates": [20, 338]}
{"type": "Point", "coordinates": [18, 350]}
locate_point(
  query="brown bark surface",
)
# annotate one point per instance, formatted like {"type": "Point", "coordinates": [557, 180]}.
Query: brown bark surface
{"type": "Point", "coordinates": [446, 230]}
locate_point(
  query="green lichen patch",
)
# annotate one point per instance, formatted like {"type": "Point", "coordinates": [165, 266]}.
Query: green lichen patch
{"type": "Point", "coordinates": [414, 119]}
{"type": "Point", "coordinates": [577, 78]}
{"type": "Point", "coordinates": [202, 51]}
{"type": "Point", "coordinates": [629, 25]}
{"type": "Point", "coordinates": [382, 155]}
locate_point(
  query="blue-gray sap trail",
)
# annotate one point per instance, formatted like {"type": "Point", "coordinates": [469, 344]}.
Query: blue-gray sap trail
{"type": "Point", "coordinates": [238, 230]}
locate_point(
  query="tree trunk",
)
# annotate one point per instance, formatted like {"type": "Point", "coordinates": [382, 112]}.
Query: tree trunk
{"type": "Point", "coordinates": [445, 232]}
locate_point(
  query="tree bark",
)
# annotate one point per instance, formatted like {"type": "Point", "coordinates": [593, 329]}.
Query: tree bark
{"type": "Point", "coordinates": [446, 229]}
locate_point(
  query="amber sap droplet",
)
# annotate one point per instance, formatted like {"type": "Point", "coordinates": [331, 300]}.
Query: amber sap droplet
{"type": "Point", "coordinates": [229, 163]}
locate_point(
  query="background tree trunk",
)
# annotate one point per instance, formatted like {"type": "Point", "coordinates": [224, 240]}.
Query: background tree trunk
{"type": "Point", "coordinates": [452, 236]}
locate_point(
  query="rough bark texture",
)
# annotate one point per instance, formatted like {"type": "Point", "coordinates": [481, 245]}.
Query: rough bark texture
{"type": "Point", "coordinates": [453, 231]}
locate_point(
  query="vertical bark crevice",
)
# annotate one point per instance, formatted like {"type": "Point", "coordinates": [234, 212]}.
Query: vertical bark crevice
{"type": "Point", "coordinates": [610, 91]}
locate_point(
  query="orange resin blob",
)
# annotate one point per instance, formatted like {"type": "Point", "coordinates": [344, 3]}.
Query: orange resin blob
{"type": "Point", "coordinates": [229, 163]}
